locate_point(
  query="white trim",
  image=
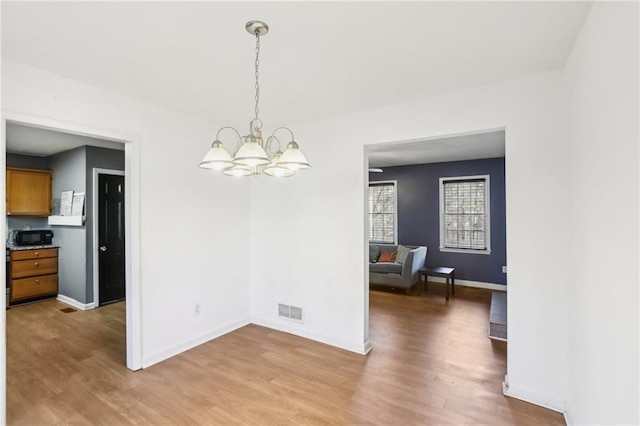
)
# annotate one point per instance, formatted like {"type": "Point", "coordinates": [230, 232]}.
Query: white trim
{"type": "Point", "coordinates": [395, 209]}
{"type": "Point", "coordinates": [361, 349]}
{"type": "Point", "coordinates": [133, 289]}
{"type": "Point", "coordinates": [132, 222]}
{"type": "Point", "coordinates": [193, 342]}
{"type": "Point", "coordinates": [465, 251]}
{"type": "Point", "coordinates": [96, 264]}
{"type": "Point", "coordinates": [487, 209]}
{"type": "Point", "coordinates": [567, 419]}
{"type": "Point", "coordinates": [365, 250]}
{"type": "Point", "coordinates": [468, 283]}
{"type": "Point", "coordinates": [532, 398]}
{"type": "Point", "coordinates": [73, 302]}
{"type": "Point", "coordinates": [3, 280]}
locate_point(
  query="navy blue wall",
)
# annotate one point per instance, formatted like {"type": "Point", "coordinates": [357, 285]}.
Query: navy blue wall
{"type": "Point", "coordinates": [418, 211]}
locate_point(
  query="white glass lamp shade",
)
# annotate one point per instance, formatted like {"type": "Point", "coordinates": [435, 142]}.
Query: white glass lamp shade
{"type": "Point", "coordinates": [276, 170]}
{"type": "Point", "coordinates": [238, 170]}
{"type": "Point", "coordinates": [251, 154]}
{"type": "Point", "coordinates": [217, 158]}
{"type": "Point", "coordinates": [292, 158]}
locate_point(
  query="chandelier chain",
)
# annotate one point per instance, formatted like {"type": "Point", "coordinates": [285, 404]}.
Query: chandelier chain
{"type": "Point", "coordinates": [257, 73]}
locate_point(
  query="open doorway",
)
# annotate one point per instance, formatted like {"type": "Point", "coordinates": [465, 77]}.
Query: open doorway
{"type": "Point", "coordinates": [100, 140]}
{"type": "Point", "coordinates": [438, 205]}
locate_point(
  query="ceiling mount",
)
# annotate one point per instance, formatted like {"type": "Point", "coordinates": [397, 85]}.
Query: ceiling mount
{"type": "Point", "coordinates": [257, 28]}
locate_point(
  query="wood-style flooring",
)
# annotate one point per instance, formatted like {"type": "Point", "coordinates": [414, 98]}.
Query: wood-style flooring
{"type": "Point", "coordinates": [431, 364]}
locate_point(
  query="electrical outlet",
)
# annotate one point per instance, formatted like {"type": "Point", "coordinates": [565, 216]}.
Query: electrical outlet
{"type": "Point", "coordinates": [504, 269]}
{"type": "Point", "coordinates": [196, 311]}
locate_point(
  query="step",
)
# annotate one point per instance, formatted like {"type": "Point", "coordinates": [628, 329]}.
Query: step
{"type": "Point", "coordinates": [498, 316]}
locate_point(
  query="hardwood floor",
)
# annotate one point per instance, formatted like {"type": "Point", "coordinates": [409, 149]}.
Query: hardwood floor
{"type": "Point", "coordinates": [432, 363]}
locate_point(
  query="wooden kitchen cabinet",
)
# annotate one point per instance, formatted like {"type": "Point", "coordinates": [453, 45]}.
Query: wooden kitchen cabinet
{"type": "Point", "coordinates": [34, 274]}
{"type": "Point", "coordinates": [28, 192]}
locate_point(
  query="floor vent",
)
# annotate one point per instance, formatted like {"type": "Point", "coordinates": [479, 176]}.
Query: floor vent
{"type": "Point", "coordinates": [68, 310]}
{"type": "Point", "coordinates": [291, 312]}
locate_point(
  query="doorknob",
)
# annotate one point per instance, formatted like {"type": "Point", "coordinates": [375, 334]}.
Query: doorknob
{"type": "Point", "coordinates": [103, 248]}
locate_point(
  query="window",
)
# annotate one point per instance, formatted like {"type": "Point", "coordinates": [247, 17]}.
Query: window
{"type": "Point", "coordinates": [383, 212]}
{"type": "Point", "coordinates": [464, 214]}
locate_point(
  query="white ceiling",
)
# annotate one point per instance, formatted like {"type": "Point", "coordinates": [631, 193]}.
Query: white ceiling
{"type": "Point", "coordinates": [42, 142]}
{"type": "Point", "coordinates": [457, 148]}
{"type": "Point", "coordinates": [319, 59]}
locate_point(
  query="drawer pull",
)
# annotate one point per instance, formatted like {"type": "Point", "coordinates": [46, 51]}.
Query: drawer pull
{"type": "Point", "coordinates": [37, 254]}
{"type": "Point", "coordinates": [37, 264]}
{"type": "Point", "coordinates": [37, 281]}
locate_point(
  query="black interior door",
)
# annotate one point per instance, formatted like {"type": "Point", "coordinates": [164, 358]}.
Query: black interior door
{"type": "Point", "coordinates": [111, 239]}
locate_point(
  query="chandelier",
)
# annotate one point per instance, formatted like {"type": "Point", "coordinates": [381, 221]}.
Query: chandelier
{"type": "Point", "coordinates": [254, 155]}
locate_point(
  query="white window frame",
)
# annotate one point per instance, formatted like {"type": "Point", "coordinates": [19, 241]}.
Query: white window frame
{"type": "Point", "coordinates": [395, 209]}
{"type": "Point", "coordinates": [487, 194]}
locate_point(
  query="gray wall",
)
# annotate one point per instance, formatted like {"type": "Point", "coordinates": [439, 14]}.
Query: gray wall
{"type": "Point", "coordinates": [69, 173]}
{"type": "Point", "coordinates": [27, 161]}
{"type": "Point", "coordinates": [101, 158]}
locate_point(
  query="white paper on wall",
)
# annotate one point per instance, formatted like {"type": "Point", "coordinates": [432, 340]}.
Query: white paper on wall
{"type": "Point", "coordinates": [66, 201]}
{"type": "Point", "coordinates": [77, 205]}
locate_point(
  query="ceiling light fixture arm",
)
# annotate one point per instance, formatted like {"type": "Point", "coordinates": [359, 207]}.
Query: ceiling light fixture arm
{"type": "Point", "coordinates": [227, 127]}
{"type": "Point", "coordinates": [268, 142]}
{"type": "Point", "coordinates": [282, 128]}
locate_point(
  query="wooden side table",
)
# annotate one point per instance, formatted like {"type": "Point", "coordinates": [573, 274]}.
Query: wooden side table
{"type": "Point", "coordinates": [443, 272]}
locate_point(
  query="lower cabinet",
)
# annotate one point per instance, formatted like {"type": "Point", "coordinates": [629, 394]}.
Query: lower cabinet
{"type": "Point", "coordinates": [34, 274]}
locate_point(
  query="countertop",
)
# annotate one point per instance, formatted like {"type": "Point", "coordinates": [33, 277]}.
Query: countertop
{"type": "Point", "coordinates": [18, 248]}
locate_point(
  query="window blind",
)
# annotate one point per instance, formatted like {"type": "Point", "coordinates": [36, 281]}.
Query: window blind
{"type": "Point", "coordinates": [382, 212]}
{"type": "Point", "coordinates": [464, 215]}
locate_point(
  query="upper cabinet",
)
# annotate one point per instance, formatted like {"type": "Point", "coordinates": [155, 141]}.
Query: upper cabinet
{"type": "Point", "coordinates": [28, 192]}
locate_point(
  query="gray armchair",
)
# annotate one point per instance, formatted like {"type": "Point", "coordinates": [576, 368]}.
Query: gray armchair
{"type": "Point", "coordinates": [396, 275]}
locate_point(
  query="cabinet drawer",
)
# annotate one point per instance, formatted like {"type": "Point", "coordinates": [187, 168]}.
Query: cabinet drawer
{"type": "Point", "coordinates": [33, 254]}
{"type": "Point", "coordinates": [29, 268]}
{"type": "Point", "coordinates": [33, 287]}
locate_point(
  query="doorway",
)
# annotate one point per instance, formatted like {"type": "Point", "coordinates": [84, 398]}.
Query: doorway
{"type": "Point", "coordinates": [421, 169]}
{"type": "Point", "coordinates": [131, 218]}
{"type": "Point", "coordinates": [109, 280]}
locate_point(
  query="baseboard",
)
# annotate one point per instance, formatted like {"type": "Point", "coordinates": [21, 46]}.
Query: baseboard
{"type": "Point", "coordinates": [192, 343]}
{"type": "Point", "coordinates": [567, 419]}
{"type": "Point", "coordinates": [474, 284]}
{"type": "Point", "coordinates": [527, 396]}
{"type": "Point", "coordinates": [362, 349]}
{"type": "Point", "coordinates": [73, 302]}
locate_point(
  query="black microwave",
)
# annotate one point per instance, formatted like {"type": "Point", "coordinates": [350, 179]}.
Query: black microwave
{"type": "Point", "coordinates": [33, 237]}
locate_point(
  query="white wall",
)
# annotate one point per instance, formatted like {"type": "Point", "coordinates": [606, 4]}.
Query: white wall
{"type": "Point", "coordinates": [602, 80]}
{"type": "Point", "coordinates": [193, 233]}
{"type": "Point", "coordinates": [308, 232]}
